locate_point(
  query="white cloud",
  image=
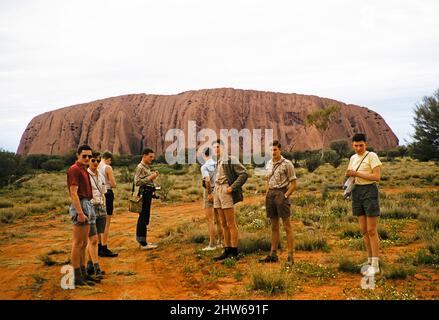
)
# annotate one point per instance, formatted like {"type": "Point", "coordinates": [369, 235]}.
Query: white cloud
{"type": "Point", "coordinates": [380, 54]}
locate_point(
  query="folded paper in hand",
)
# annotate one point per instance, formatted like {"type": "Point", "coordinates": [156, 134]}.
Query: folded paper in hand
{"type": "Point", "coordinates": [348, 186]}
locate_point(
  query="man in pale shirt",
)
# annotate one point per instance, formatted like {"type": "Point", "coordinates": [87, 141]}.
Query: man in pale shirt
{"type": "Point", "coordinates": [208, 175]}
{"type": "Point", "coordinates": [365, 166]}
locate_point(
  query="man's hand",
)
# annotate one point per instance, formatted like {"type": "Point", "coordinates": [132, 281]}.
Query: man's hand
{"type": "Point", "coordinates": [229, 190]}
{"type": "Point", "coordinates": [351, 173]}
{"type": "Point", "coordinates": [82, 217]}
{"type": "Point", "coordinates": [154, 175]}
{"type": "Point", "coordinates": [210, 197]}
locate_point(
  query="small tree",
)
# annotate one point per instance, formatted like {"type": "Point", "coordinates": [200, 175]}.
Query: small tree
{"type": "Point", "coordinates": [166, 183]}
{"type": "Point", "coordinates": [332, 158]}
{"type": "Point", "coordinates": [321, 120]}
{"type": "Point", "coordinates": [426, 138]}
{"type": "Point", "coordinates": [341, 147]}
{"type": "Point", "coordinates": [312, 162]}
{"type": "Point", "coordinates": [12, 166]}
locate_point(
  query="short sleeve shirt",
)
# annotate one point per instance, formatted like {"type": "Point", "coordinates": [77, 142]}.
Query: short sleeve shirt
{"type": "Point", "coordinates": [370, 162]}
{"type": "Point", "coordinates": [280, 173]}
{"type": "Point", "coordinates": [77, 175]}
{"type": "Point", "coordinates": [98, 186]}
{"type": "Point", "coordinates": [208, 169]}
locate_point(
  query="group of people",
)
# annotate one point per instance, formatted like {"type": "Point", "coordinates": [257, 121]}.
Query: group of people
{"type": "Point", "coordinates": [223, 181]}
{"type": "Point", "coordinates": [91, 180]}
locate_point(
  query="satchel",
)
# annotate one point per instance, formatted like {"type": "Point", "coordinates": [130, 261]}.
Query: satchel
{"type": "Point", "coordinates": [349, 184]}
{"type": "Point", "coordinates": [135, 202]}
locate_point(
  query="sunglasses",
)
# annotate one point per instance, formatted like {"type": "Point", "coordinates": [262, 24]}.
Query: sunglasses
{"type": "Point", "coordinates": [84, 156]}
{"type": "Point", "coordinates": [95, 160]}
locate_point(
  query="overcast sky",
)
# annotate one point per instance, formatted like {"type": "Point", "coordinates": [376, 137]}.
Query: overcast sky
{"type": "Point", "coordinates": [380, 54]}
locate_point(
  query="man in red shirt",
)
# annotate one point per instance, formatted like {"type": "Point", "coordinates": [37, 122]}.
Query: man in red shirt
{"type": "Point", "coordinates": [81, 212]}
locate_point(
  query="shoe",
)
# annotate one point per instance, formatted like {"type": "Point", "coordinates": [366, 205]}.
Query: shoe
{"type": "Point", "coordinates": [149, 246]}
{"type": "Point", "coordinates": [79, 282]}
{"type": "Point", "coordinates": [370, 271]}
{"type": "Point", "coordinates": [107, 253]}
{"type": "Point", "coordinates": [269, 259]}
{"type": "Point", "coordinates": [91, 278]}
{"type": "Point", "coordinates": [224, 255]}
{"type": "Point", "coordinates": [99, 274]}
{"type": "Point", "coordinates": [365, 263]}
{"type": "Point", "coordinates": [209, 248]}
{"type": "Point", "coordinates": [90, 269]}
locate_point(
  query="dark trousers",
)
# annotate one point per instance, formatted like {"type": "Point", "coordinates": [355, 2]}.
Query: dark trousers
{"type": "Point", "coordinates": [144, 216]}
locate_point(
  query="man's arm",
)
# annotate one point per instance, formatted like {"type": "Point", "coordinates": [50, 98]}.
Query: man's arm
{"type": "Point", "coordinates": [242, 176]}
{"type": "Point", "coordinates": [291, 188]}
{"type": "Point", "coordinates": [374, 176]}
{"type": "Point", "coordinates": [140, 180]}
{"type": "Point", "coordinates": [77, 203]}
{"type": "Point", "coordinates": [110, 176]}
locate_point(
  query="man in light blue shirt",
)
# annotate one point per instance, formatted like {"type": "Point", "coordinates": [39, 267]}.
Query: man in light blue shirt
{"type": "Point", "coordinates": [208, 173]}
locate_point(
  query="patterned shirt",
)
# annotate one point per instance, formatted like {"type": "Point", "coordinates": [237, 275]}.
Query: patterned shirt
{"type": "Point", "coordinates": [141, 175]}
{"type": "Point", "coordinates": [281, 173]}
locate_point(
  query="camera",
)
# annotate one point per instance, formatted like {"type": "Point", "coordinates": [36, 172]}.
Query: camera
{"type": "Point", "coordinates": [151, 189]}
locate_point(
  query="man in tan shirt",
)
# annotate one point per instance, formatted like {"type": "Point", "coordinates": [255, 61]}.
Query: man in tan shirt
{"type": "Point", "coordinates": [281, 183]}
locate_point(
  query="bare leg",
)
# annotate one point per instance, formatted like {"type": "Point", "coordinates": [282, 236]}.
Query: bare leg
{"type": "Point", "coordinates": [290, 236]}
{"type": "Point", "coordinates": [372, 232]}
{"type": "Point", "coordinates": [79, 234]}
{"type": "Point", "coordinates": [231, 226]}
{"type": "Point", "coordinates": [362, 221]}
{"type": "Point", "coordinates": [211, 225]}
{"type": "Point", "coordinates": [93, 248]}
{"type": "Point", "coordinates": [274, 234]}
{"type": "Point", "coordinates": [219, 226]}
{"type": "Point", "coordinates": [107, 231]}
{"type": "Point", "coordinates": [223, 221]}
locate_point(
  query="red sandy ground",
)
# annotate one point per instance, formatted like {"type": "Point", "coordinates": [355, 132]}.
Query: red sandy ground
{"type": "Point", "coordinates": [159, 274]}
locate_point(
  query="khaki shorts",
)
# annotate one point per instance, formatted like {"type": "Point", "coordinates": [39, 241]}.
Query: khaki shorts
{"type": "Point", "coordinates": [222, 199]}
{"type": "Point", "coordinates": [206, 203]}
{"type": "Point", "coordinates": [277, 205]}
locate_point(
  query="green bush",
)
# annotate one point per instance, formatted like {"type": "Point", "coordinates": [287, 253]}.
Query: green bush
{"type": "Point", "coordinates": [251, 243]}
{"type": "Point", "coordinates": [312, 162]}
{"type": "Point", "coordinates": [270, 282]}
{"type": "Point", "coordinates": [311, 243]}
{"type": "Point", "coordinates": [53, 165]}
{"type": "Point", "coordinates": [349, 266]}
{"type": "Point", "coordinates": [13, 167]}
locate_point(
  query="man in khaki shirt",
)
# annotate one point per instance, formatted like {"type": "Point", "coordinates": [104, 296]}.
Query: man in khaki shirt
{"type": "Point", "coordinates": [281, 183]}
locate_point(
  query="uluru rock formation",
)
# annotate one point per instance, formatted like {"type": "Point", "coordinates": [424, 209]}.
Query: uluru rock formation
{"type": "Point", "coordinates": [125, 124]}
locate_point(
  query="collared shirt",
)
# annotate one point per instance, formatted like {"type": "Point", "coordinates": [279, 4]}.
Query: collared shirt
{"type": "Point", "coordinates": [98, 186]}
{"type": "Point", "coordinates": [221, 177]}
{"type": "Point", "coordinates": [143, 171]}
{"type": "Point", "coordinates": [369, 163]}
{"type": "Point", "coordinates": [208, 169]}
{"type": "Point", "coordinates": [281, 173]}
{"type": "Point", "coordinates": [77, 175]}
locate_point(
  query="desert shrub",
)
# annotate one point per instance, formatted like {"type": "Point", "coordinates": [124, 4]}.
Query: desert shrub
{"type": "Point", "coordinates": [349, 266]}
{"type": "Point", "coordinates": [53, 165]}
{"type": "Point", "coordinates": [398, 271]}
{"type": "Point", "coordinates": [166, 183]}
{"type": "Point", "coordinates": [251, 243]}
{"type": "Point", "coordinates": [398, 212]}
{"type": "Point", "coordinates": [351, 231]}
{"type": "Point", "coordinates": [6, 204]}
{"type": "Point", "coordinates": [311, 242]}
{"type": "Point", "coordinates": [13, 167]}
{"type": "Point", "coordinates": [423, 257]}
{"type": "Point", "coordinates": [313, 270]}
{"type": "Point", "coordinates": [332, 158]}
{"type": "Point", "coordinates": [36, 160]}
{"type": "Point", "coordinates": [270, 282]}
{"type": "Point", "coordinates": [312, 162]}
